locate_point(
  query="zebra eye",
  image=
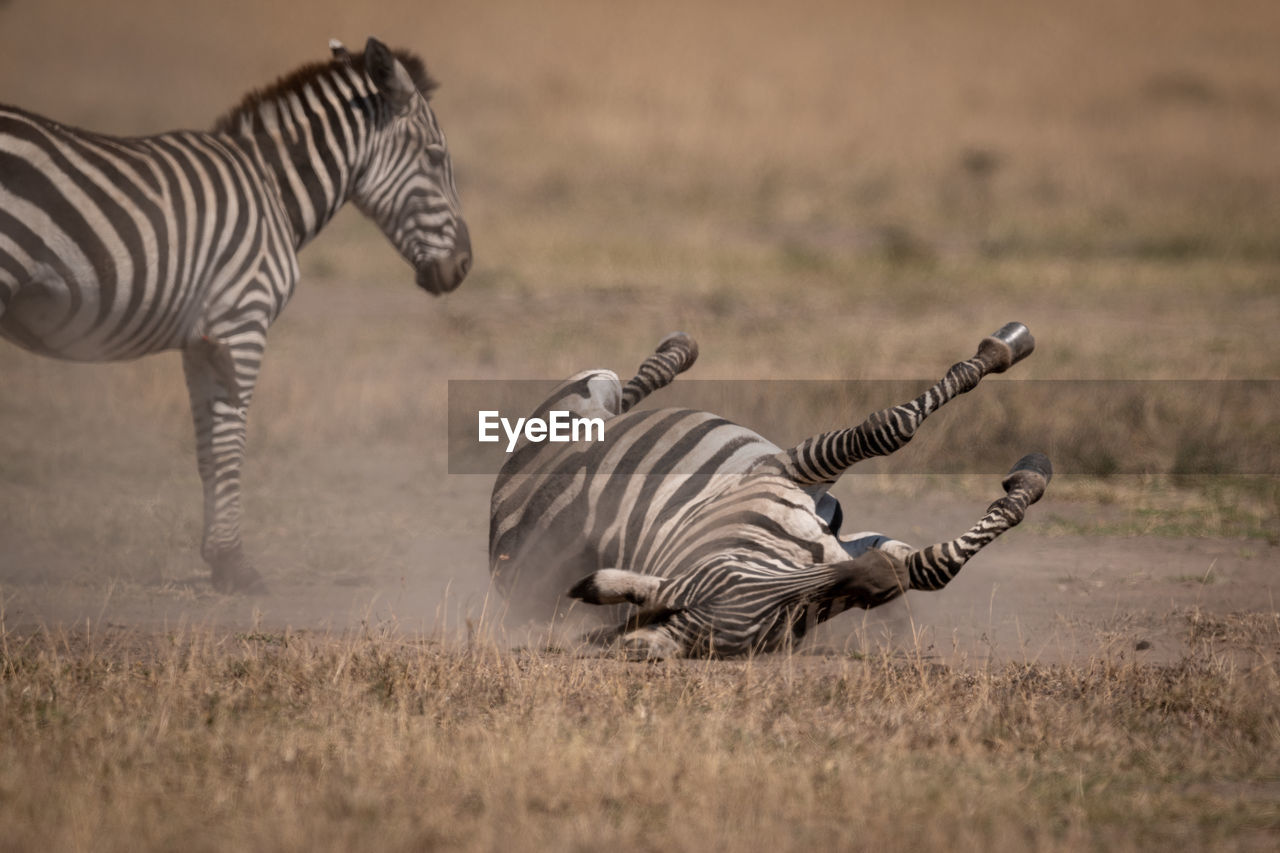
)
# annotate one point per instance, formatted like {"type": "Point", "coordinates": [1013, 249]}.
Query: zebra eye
{"type": "Point", "coordinates": [435, 153]}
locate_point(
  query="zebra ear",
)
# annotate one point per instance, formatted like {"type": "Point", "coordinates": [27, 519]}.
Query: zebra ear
{"type": "Point", "coordinates": [339, 51]}
{"type": "Point", "coordinates": [389, 75]}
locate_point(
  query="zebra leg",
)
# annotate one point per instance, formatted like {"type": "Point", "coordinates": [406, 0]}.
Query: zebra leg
{"type": "Point", "coordinates": [675, 354]}
{"type": "Point", "coordinates": [932, 567]}
{"type": "Point", "coordinates": [643, 636]}
{"type": "Point", "coordinates": [822, 459]}
{"type": "Point", "coordinates": [219, 408]}
{"type": "Point", "coordinates": [598, 393]}
{"type": "Point", "coordinates": [616, 586]}
{"type": "Point", "coordinates": [650, 642]}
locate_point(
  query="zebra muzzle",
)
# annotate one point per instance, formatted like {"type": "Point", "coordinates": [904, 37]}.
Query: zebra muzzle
{"type": "Point", "coordinates": [443, 274]}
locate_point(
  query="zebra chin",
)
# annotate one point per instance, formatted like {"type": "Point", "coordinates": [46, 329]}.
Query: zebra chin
{"type": "Point", "coordinates": [438, 275]}
{"type": "Point", "coordinates": [441, 275]}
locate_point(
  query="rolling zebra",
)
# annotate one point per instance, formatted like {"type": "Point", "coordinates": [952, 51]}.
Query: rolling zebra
{"type": "Point", "coordinates": [113, 248]}
{"type": "Point", "coordinates": [721, 543]}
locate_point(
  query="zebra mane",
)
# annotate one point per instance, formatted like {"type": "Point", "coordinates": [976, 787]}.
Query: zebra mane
{"type": "Point", "coordinates": [297, 79]}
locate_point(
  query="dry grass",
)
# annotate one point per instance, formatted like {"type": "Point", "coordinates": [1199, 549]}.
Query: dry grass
{"type": "Point", "coordinates": [195, 739]}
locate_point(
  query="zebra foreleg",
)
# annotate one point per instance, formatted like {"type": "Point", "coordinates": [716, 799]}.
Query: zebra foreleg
{"type": "Point", "coordinates": [651, 642]}
{"type": "Point", "coordinates": [822, 459]}
{"type": "Point", "coordinates": [598, 393]}
{"type": "Point", "coordinates": [674, 355]}
{"type": "Point", "coordinates": [219, 408]}
{"type": "Point", "coordinates": [644, 636]}
{"type": "Point", "coordinates": [933, 567]}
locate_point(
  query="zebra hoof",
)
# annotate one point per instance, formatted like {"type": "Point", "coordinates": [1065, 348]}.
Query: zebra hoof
{"type": "Point", "coordinates": [233, 575]}
{"type": "Point", "coordinates": [1031, 474]}
{"type": "Point", "coordinates": [647, 644]}
{"type": "Point", "coordinates": [1010, 344]}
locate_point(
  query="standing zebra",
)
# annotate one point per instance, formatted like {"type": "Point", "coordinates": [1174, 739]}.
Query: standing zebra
{"type": "Point", "coordinates": [724, 543]}
{"type": "Point", "coordinates": [113, 248]}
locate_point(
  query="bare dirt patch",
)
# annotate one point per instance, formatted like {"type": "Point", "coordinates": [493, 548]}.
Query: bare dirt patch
{"type": "Point", "coordinates": [1036, 596]}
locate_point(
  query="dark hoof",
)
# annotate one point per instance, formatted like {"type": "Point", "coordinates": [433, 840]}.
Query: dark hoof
{"type": "Point", "coordinates": [681, 342]}
{"type": "Point", "coordinates": [1031, 473]}
{"type": "Point", "coordinates": [234, 576]}
{"type": "Point", "coordinates": [1010, 344]}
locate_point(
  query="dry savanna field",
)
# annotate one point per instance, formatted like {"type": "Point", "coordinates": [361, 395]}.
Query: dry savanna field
{"type": "Point", "coordinates": [826, 192]}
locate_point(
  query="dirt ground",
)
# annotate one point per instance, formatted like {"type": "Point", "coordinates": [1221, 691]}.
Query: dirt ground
{"type": "Point", "coordinates": [1033, 598]}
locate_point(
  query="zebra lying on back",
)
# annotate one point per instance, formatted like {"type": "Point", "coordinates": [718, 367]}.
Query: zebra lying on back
{"type": "Point", "coordinates": [723, 543]}
{"type": "Point", "coordinates": [113, 248]}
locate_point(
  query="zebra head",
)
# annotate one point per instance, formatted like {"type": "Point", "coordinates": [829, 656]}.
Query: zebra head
{"type": "Point", "coordinates": [407, 186]}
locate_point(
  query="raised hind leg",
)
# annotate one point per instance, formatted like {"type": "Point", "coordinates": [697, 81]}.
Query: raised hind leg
{"type": "Point", "coordinates": [819, 461]}
{"type": "Point", "coordinates": [933, 567]}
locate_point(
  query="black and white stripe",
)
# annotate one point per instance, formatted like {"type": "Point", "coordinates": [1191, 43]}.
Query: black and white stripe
{"type": "Point", "coordinates": [713, 540]}
{"type": "Point", "coordinates": [113, 248]}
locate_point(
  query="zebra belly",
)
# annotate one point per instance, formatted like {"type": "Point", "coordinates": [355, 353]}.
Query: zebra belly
{"type": "Point", "coordinates": [43, 307]}
{"type": "Point", "coordinates": [65, 319]}
{"type": "Point", "coordinates": [48, 315]}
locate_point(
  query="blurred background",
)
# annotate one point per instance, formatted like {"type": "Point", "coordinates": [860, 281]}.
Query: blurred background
{"type": "Point", "coordinates": [814, 190]}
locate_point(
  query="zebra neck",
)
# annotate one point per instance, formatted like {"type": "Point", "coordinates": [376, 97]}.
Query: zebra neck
{"type": "Point", "coordinates": [309, 155]}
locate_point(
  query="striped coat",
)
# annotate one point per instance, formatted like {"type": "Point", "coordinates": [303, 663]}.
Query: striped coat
{"type": "Point", "coordinates": [113, 248]}
{"type": "Point", "coordinates": [715, 541]}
